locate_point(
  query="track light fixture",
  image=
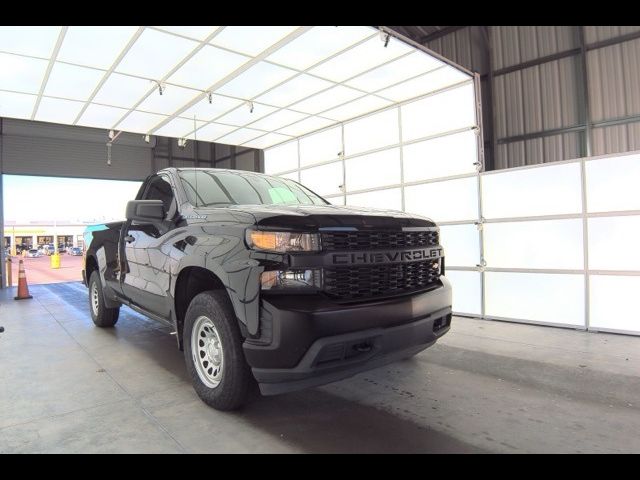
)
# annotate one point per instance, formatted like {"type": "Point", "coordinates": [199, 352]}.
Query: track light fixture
{"type": "Point", "coordinates": [161, 88]}
{"type": "Point", "coordinates": [182, 142]}
{"type": "Point", "coordinates": [250, 104]}
{"type": "Point", "coordinates": [147, 138]}
{"type": "Point", "coordinates": [210, 97]}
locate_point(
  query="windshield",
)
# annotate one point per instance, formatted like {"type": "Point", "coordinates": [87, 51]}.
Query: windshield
{"type": "Point", "coordinates": [218, 188]}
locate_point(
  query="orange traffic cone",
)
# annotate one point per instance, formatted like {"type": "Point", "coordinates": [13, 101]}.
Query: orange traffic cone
{"type": "Point", "coordinates": [23, 289]}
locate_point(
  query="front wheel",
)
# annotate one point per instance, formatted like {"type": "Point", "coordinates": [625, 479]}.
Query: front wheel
{"type": "Point", "coordinates": [101, 315]}
{"type": "Point", "coordinates": [213, 352]}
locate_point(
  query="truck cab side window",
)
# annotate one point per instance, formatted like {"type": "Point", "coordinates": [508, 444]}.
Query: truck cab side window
{"type": "Point", "coordinates": [158, 187]}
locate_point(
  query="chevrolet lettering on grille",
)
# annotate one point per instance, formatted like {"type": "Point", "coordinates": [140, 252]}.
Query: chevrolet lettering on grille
{"type": "Point", "coordinates": [399, 256]}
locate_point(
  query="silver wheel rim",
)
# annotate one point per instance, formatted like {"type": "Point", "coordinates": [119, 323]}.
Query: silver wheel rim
{"type": "Point", "coordinates": [206, 350]}
{"type": "Point", "coordinates": [94, 299]}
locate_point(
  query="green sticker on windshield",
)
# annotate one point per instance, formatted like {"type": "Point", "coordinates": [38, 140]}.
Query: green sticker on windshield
{"type": "Point", "coordinates": [282, 195]}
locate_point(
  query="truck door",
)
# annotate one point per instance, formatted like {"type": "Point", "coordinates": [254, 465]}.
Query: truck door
{"type": "Point", "coordinates": [146, 269]}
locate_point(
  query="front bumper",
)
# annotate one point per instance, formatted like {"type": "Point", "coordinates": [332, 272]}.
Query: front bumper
{"type": "Point", "coordinates": [315, 341]}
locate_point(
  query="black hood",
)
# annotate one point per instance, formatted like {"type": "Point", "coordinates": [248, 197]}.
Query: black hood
{"type": "Point", "coordinates": [327, 216]}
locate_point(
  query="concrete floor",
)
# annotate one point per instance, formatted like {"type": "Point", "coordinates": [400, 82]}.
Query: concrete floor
{"type": "Point", "coordinates": [66, 386]}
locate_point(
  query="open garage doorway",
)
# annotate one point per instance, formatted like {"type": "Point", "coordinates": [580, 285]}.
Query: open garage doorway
{"type": "Point", "coordinates": [44, 216]}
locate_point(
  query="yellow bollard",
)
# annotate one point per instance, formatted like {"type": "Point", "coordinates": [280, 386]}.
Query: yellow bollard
{"type": "Point", "coordinates": [55, 260]}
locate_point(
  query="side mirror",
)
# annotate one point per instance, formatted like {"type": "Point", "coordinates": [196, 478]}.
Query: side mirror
{"type": "Point", "coordinates": [145, 211]}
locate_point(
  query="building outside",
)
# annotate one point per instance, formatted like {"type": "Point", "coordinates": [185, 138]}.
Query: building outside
{"type": "Point", "coordinates": [19, 236]}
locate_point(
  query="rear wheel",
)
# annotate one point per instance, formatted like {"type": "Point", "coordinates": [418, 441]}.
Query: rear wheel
{"type": "Point", "coordinates": [101, 315]}
{"type": "Point", "coordinates": [213, 352]}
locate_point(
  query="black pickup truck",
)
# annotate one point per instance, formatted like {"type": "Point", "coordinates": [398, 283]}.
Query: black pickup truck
{"type": "Point", "coordinates": [264, 282]}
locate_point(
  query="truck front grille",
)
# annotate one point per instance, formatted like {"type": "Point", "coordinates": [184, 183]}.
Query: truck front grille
{"type": "Point", "coordinates": [366, 282]}
{"type": "Point", "coordinates": [363, 240]}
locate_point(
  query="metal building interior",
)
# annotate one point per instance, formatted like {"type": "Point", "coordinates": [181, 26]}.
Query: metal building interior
{"type": "Point", "coordinates": [521, 142]}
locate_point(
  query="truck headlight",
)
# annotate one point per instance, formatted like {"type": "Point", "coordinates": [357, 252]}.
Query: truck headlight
{"type": "Point", "coordinates": [282, 242]}
{"type": "Point", "coordinates": [296, 280]}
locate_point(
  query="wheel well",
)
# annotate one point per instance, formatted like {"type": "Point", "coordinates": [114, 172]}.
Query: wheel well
{"type": "Point", "coordinates": [91, 265]}
{"type": "Point", "coordinates": [192, 281]}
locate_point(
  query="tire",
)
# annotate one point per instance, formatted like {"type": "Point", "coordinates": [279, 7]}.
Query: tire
{"type": "Point", "coordinates": [213, 352]}
{"type": "Point", "coordinates": [101, 315]}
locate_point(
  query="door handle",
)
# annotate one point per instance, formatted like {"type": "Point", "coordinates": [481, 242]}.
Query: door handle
{"type": "Point", "coordinates": [129, 239]}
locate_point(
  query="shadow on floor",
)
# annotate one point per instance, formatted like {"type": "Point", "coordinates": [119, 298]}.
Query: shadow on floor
{"type": "Point", "coordinates": [317, 421]}
{"type": "Point", "coordinates": [311, 420]}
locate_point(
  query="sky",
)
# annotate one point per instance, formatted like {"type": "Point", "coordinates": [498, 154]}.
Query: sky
{"type": "Point", "coordinates": [29, 198]}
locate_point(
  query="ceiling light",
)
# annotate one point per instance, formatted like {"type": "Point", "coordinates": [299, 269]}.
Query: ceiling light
{"type": "Point", "coordinates": [210, 97]}
{"type": "Point", "coordinates": [147, 138]}
{"type": "Point", "coordinates": [113, 136]}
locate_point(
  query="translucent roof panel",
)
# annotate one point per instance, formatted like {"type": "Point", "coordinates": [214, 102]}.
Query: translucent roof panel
{"type": "Point", "coordinates": [397, 71]}
{"type": "Point", "coordinates": [309, 124]}
{"type": "Point", "coordinates": [58, 111]}
{"type": "Point", "coordinates": [356, 108]}
{"type": "Point", "coordinates": [178, 127]}
{"type": "Point", "coordinates": [69, 81]}
{"type": "Point", "coordinates": [16, 105]}
{"type": "Point", "coordinates": [266, 140]}
{"type": "Point", "coordinates": [250, 40]}
{"type": "Point", "coordinates": [256, 80]}
{"type": "Point", "coordinates": [318, 44]}
{"type": "Point", "coordinates": [154, 54]}
{"type": "Point", "coordinates": [430, 82]}
{"type": "Point", "coordinates": [212, 131]}
{"type": "Point", "coordinates": [196, 33]}
{"type": "Point", "coordinates": [95, 47]}
{"type": "Point", "coordinates": [365, 56]}
{"type": "Point", "coordinates": [122, 90]}
{"type": "Point", "coordinates": [327, 99]}
{"type": "Point", "coordinates": [278, 120]}
{"type": "Point", "coordinates": [140, 122]}
{"type": "Point", "coordinates": [101, 116]}
{"type": "Point", "coordinates": [206, 67]}
{"type": "Point", "coordinates": [240, 136]}
{"type": "Point", "coordinates": [245, 85]}
{"type": "Point", "coordinates": [21, 74]}
{"type": "Point", "coordinates": [294, 90]}
{"type": "Point", "coordinates": [37, 41]}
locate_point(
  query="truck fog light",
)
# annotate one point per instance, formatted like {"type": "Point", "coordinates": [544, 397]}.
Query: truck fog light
{"type": "Point", "coordinates": [289, 280]}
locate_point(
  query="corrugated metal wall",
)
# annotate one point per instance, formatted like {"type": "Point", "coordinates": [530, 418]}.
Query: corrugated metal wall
{"type": "Point", "coordinates": [39, 148]}
{"type": "Point", "coordinates": [535, 81]}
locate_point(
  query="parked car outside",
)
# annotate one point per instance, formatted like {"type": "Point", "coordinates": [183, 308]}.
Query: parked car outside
{"type": "Point", "coordinates": [33, 253]}
{"type": "Point", "coordinates": [75, 251]}
{"type": "Point", "coordinates": [47, 249]}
